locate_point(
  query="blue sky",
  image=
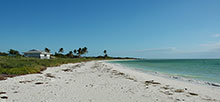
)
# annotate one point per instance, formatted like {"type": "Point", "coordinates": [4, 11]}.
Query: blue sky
{"type": "Point", "coordinates": [135, 28]}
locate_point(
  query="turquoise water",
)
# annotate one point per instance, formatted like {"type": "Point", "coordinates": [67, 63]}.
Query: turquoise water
{"type": "Point", "coordinates": [199, 69]}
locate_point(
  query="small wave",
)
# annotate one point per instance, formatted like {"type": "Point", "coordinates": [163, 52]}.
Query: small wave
{"type": "Point", "coordinates": [188, 76]}
{"type": "Point", "coordinates": [182, 77]}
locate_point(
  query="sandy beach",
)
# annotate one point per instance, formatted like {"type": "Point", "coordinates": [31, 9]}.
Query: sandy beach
{"type": "Point", "coordinates": [98, 81]}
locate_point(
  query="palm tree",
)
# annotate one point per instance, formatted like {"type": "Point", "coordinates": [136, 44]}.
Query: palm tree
{"type": "Point", "coordinates": [84, 50]}
{"type": "Point", "coordinates": [75, 51]}
{"type": "Point", "coordinates": [70, 54]}
{"type": "Point", "coordinates": [61, 50]}
{"type": "Point", "coordinates": [79, 52]}
{"type": "Point", "coordinates": [105, 52]}
{"type": "Point", "coordinates": [47, 50]}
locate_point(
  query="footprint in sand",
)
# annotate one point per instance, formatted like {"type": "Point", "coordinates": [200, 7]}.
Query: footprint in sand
{"type": "Point", "coordinates": [24, 82]}
{"type": "Point", "coordinates": [49, 75]}
{"type": "Point", "coordinates": [165, 87]}
{"type": "Point", "coordinates": [151, 82]}
{"type": "Point", "coordinates": [179, 90]}
{"type": "Point", "coordinates": [167, 92]}
{"type": "Point", "coordinates": [67, 70]}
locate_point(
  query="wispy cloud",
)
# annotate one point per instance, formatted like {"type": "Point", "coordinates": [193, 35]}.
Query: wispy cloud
{"type": "Point", "coordinates": [217, 35]}
{"type": "Point", "coordinates": [207, 50]}
{"type": "Point", "coordinates": [211, 45]}
{"type": "Point", "coordinates": [211, 50]}
{"type": "Point", "coordinates": [157, 50]}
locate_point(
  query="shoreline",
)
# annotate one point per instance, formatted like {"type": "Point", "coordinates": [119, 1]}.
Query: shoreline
{"type": "Point", "coordinates": [98, 81]}
{"type": "Point", "coordinates": [169, 76]}
{"type": "Point", "coordinates": [184, 81]}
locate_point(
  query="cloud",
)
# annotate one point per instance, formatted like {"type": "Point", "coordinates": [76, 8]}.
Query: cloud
{"type": "Point", "coordinates": [211, 50]}
{"type": "Point", "coordinates": [217, 35]}
{"type": "Point", "coordinates": [207, 50]}
{"type": "Point", "coordinates": [158, 50]}
{"type": "Point", "coordinates": [211, 45]}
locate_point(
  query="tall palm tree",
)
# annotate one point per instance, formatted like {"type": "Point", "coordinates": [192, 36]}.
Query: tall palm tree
{"type": "Point", "coordinates": [47, 50]}
{"type": "Point", "coordinates": [84, 50]}
{"type": "Point", "coordinates": [79, 52]}
{"type": "Point", "coordinates": [61, 50]}
{"type": "Point", "coordinates": [105, 52]}
{"type": "Point", "coordinates": [70, 54]}
{"type": "Point", "coordinates": [75, 51]}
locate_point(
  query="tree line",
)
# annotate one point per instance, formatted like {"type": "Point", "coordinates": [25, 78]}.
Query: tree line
{"type": "Point", "coordinates": [76, 53]}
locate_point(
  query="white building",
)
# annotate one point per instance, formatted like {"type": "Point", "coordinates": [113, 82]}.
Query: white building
{"type": "Point", "coordinates": [37, 54]}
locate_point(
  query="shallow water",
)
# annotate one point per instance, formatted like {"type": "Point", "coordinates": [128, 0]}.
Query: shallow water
{"type": "Point", "coordinates": [199, 69]}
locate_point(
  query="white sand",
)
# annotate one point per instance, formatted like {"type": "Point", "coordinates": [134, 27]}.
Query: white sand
{"type": "Point", "coordinates": [97, 81]}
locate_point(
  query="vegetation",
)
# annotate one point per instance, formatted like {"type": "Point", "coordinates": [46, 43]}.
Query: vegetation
{"type": "Point", "coordinates": [14, 52]}
{"type": "Point", "coordinates": [81, 51]}
{"type": "Point", "coordinates": [105, 52]}
{"type": "Point", "coordinates": [14, 63]}
{"type": "Point", "coordinates": [47, 50]}
{"type": "Point", "coordinates": [3, 54]}
{"type": "Point", "coordinates": [23, 65]}
{"type": "Point", "coordinates": [61, 50]}
{"type": "Point", "coordinates": [75, 51]}
{"type": "Point", "coordinates": [70, 54]}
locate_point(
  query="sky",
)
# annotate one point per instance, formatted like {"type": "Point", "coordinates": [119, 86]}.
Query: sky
{"type": "Point", "coordinates": [133, 28]}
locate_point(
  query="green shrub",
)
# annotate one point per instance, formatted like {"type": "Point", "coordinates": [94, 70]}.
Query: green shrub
{"type": "Point", "coordinates": [22, 65]}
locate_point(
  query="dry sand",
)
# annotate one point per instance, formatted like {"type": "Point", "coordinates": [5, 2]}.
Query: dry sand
{"type": "Point", "coordinates": [98, 81]}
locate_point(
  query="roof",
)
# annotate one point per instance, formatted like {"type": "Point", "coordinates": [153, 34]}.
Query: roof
{"type": "Point", "coordinates": [37, 51]}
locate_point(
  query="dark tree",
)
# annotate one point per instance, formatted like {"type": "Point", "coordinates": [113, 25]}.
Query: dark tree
{"type": "Point", "coordinates": [105, 52]}
{"type": "Point", "coordinates": [79, 52]}
{"type": "Point", "coordinates": [47, 50]}
{"type": "Point", "coordinates": [75, 51]}
{"type": "Point", "coordinates": [14, 52]}
{"type": "Point", "coordinates": [3, 54]}
{"type": "Point", "coordinates": [70, 54]}
{"type": "Point", "coordinates": [61, 50]}
{"type": "Point", "coordinates": [84, 50]}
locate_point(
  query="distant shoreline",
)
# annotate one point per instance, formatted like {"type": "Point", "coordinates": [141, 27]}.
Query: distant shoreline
{"type": "Point", "coordinates": [170, 76]}
{"type": "Point", "coordinates": [173, 77]}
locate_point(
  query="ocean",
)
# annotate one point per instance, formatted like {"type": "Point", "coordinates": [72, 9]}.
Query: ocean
{"type": "Point", "coordinates": [207, 70]}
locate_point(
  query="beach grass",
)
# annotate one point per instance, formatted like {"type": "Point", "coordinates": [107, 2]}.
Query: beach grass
{"type": "Point", "coordinates": [23, 65]}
